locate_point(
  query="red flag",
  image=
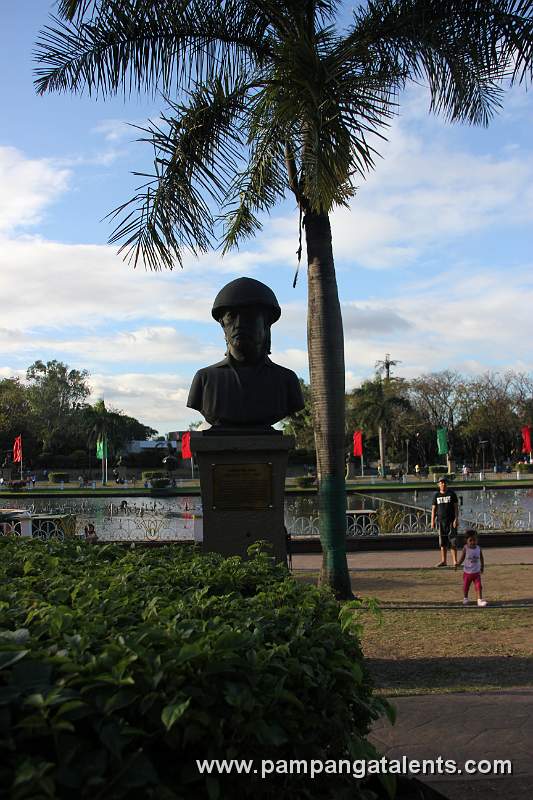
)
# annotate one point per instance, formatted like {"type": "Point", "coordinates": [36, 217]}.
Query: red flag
{"type": "Point", "coordinates": [358, 443]}
{"type": "Point", "coordinates": [186, 445]}
{"type": "Point", "coordinates": [526, 439]}
{"type": "Point", "coordinates": [17, 449]}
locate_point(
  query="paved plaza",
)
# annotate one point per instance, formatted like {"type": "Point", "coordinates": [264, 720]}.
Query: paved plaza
{"type": "Point", "coordinates": [485, 725]}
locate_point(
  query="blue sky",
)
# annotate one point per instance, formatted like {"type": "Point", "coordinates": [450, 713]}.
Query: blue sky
{"type": "Point", "coordinates": [433, 258]}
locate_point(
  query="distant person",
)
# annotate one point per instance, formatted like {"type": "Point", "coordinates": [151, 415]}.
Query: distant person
{"type": "Point", "coordinates": [90, 533]}
{"type": "Point", "coordinates": [417, 470]}
{"type": "Point", "coordinates": [445, 511]}
{"type": "Point", "coordinates": [465, 472]}
{"type": "Point", "coordinates": [474, 565]}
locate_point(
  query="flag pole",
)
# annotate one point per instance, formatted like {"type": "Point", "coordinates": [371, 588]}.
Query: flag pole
{"type": "Point", "coordinates": [20, 456]}
{"type": "Point", "coordinates": [362, 467]}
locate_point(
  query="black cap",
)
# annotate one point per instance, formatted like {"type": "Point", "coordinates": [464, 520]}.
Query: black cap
{"type": "Point", "coordinates": [246, 292]}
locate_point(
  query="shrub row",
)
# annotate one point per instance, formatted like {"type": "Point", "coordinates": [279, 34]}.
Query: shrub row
{"type": "Point", "coordinates": [120, 668]}
{"type": "Point", "coordinates": [58, 477]}
{"type": "Point", "coordinates": [153, 474]}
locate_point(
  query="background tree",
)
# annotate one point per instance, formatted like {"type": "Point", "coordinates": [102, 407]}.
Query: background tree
{"type": "Point", "coordinates": [300, 425]}
{"type": "Point", "coordinates": [55, 394]}
{"type": "Point", "coordinates": [15, 419]}
{"type": "Point", "coordinates": [266, 97]}
{"type": "Point", "coordinates": [116, 427]}
{"type": "Point", "coordinates": [493, 416]}
{"type": "Point", "coordinates": [374, 406]}
{"type": "Point", "coordinates": [438, 399]}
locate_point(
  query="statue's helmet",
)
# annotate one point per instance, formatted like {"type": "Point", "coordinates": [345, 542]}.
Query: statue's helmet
{"type": "Point", "coordinates": [246, 292]}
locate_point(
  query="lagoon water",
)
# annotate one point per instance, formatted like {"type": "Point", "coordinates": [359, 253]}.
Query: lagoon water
{"type": "Point", "coordinates": [172, 518]}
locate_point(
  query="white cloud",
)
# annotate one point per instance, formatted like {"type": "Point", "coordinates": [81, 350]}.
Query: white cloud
{"type": "Point", "coordinates": [466, 320]}
{"type": "Point", "coordinates": [116, 130]}
{"type": "Point", "coordinates": [158, 399]}
{"type": "Point", "coordinates": [83, 304]}
{"type": "Point", "coordinates": [27, 187]}
{"type": "Point", "coordinates": [424, 193]}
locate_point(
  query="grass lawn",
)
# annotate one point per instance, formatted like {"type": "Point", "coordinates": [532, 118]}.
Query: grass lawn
{"type": "Point", "coordinates": [426, 641]}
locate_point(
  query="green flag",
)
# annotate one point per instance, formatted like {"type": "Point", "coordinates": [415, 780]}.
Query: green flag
{"type": "Point", "coordinates": [101, 447]}
{"type": "Point", "coordinates": [442, 441]}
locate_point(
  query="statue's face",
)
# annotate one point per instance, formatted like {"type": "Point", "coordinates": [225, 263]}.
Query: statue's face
{"type": "Point", "coordinates": [246, 329]}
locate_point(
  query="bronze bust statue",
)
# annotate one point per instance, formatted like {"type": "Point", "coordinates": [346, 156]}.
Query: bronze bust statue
{"type": "Point", "coordinates": [246, 389]}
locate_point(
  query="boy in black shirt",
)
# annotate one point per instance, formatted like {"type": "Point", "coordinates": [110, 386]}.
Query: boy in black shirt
{"type": "Point", "coordinates": [445, 507]}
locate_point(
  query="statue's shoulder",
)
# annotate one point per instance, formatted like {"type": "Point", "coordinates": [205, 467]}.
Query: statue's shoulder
{"type": "Point", "coordinates": [204, 371]}
{"type": "Point", "coordinates": [282, 370]}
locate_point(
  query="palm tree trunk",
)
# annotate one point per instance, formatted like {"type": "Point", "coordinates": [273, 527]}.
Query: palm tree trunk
{"type": "Point", "coordinates": [326, 368]}
{"type": "Point", "coordinates": [381, 438]}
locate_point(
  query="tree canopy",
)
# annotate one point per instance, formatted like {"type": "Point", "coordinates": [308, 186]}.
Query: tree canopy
{"type": "Point", "coordinates": [51, 411]}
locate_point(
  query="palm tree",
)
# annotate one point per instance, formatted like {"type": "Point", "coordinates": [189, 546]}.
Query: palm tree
{"type": "Point", "coordinates": [375, 405]}
{"type": "Point", "coordinates": [101, 425]}
{"type": "Point", "coordinates": [265, 97]}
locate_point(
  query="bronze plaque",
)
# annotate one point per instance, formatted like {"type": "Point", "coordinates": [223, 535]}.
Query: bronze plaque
{"type": "Point", "coordinates": [247, 486]}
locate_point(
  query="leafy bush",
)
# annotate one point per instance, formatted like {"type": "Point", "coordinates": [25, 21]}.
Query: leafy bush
{"type": "Point", "coordinates": [78, 458]}
{"type": "Point", "coordinates": [387, 518]}
{"type": "Point", "coordinates": [58, 477]}
{"type": "Point", "coordinates": [301, 456]}
{"type": "Point", "coordinates": [151, 475]}
{"type": "Point", "coordinates": [520, 467]}
{"type": "Point", "coordinates": [160, 483]}
{"type": "Point", "coordinates": [16, 486]}
{"type": "Point", "coordinates": [305, 481]}
{"type": "Point", "coordinates": [120, 668]}
{"type": "Point", "coordinates": [437, 469]}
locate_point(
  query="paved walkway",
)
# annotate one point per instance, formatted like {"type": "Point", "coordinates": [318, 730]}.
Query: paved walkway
{"type": "Point", "coordinates": [485, 726]}
{"type": "Point", "coordinates": [412, 559]}
{"type": "Point", "coordinates": [462, 726]}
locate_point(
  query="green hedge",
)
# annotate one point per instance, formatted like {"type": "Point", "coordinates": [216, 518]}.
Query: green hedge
{"type": "Point", "coordinates": [305, 481]}
{"type": "Point", "coordinates": [520, 467]}
{"type": "Point", "coordinates": [152, 474]}
{"type": "Point", "coordinates": [160, 483]}
{"type": "Point", "coordinates": [119, 668]}
{"type": "Point", "coordinates": [58, 477]}
{"type": "Point", "coordinates": [438, 469]}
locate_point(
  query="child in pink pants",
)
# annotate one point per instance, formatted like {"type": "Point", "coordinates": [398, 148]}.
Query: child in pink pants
{"type": "Point", "coordinates": [474, 565]}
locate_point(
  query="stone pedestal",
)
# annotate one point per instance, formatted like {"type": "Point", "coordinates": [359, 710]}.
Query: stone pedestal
{"type": "Point", "coordinates": [242, 480]}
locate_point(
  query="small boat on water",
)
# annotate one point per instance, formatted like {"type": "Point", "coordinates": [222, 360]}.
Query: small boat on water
{"type": "Point", "coordinates": [24, 523]}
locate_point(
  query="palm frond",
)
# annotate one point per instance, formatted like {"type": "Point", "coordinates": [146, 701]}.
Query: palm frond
{"type": "Point", "coordinates": [73, 9]}
{"type": "Point", "coordinates": [197, 154]}
{"type": "Point", "coordinates": [257, 188]}
{"type": "Point", "coordinates": [139, 45]}
{"type": "Point", "coordinates": [462, 48]}
{"type": "Point", "coordinates": [328, 107]}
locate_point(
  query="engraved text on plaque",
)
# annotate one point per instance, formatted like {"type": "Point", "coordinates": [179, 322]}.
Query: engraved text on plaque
{"type": "Point", "coordinates": [242, 486]}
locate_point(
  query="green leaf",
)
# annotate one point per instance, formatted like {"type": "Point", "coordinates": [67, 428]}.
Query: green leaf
{"type": "Point", "coordinates": [213, 787]}
{"type": "Point", "coordinates": [35, 701]}
{"type": "Point", "coordinates": [20, 636]}
{"type": "Point", "coordinates": [172, 713]}
{"type": "Point", "coordinates": [11, 657]}
{"type": "Point", "coordinates": [389, 783]}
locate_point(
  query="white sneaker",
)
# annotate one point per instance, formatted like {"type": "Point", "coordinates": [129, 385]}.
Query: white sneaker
{"type": "Point", "coordinates": [466, 601]}
{"type": "Point", "coordinates": [482, 603]}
